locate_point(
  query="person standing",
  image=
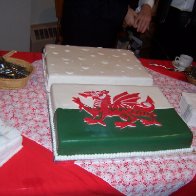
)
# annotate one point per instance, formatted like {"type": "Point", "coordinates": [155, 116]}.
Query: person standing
{"type": "Point", "coordinates": [96, 22]}
{"type": "Point", "coordinates": [175, 32]}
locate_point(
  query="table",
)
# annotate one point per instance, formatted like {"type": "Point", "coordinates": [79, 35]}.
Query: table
{"type": "Point", "coordinates": [32, 171]}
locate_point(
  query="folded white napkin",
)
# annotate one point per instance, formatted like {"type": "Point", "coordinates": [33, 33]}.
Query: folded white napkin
{"type": "Point", "coordinates": [188, 108]}
{"type": "Point", "coordinates": [10, 142]}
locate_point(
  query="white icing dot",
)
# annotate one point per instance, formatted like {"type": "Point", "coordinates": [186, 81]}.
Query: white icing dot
{"type": "Point", "coordinates": [69, 72]}
{"type": "Point", "coordinates": [122, 71]}
{"type": "Point", "coordinates": [55, 53]}
{"type": "Point", "coordinates": [64, 59]}
{"type": "Point", "coordinates": [139, 68]}
{"type": "Point", "coordinates": [101, 72]}
{"type": "Point", "coordinates": [124, 54]}
{"type": "Point", "coordinates": [100, 53]}
{"type": "Point", "coordinates": [67, 50]}
{"type": "Point", "coordinates": [85, 67]}
{"type": "Point", "coordinates": [105, 62]}
{"type": "Point", "coordinates": [115, 55]}
{"type": "Point", "coordinates": [85, 49]}
{"type": "Point", "coordinates": [67, 63]}
{"type": "Point", "coordinates": [92, 55]}
{"type": "Point", "coordinates": [52, 64]}
{"type": "Point", "coordinates": [129, 67]}
{"type": "Point", "coordinates": [81, 59]}
{"type": "Point", "coordinates": [117, 65]}
{"type": "Point", "coordinates": [128, 60]}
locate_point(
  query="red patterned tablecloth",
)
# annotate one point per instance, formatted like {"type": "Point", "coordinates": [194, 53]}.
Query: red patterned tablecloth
{"type": "Point", "coordinates": [33, 172]}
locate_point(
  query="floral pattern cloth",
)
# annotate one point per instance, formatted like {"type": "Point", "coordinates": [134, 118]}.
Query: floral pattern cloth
{"type": "Point", "coordinates": [27, 110]}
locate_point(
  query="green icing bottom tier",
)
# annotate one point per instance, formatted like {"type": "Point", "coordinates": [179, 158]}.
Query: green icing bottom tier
{"type": "Point", "coordinates": [74, 136]}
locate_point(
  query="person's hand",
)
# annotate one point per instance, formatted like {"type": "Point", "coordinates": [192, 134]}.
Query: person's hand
{"type": "Point", "coordinates": [129, 19]}
{"type": "Point", "coordinates": [143, 18]}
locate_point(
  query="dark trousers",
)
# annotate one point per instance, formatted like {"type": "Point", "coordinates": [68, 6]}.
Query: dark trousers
{"type": "Point", "coordinates": [175, 36]}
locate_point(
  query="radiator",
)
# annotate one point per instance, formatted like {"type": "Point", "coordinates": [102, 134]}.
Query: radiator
{"type": "Point", "coordinates": [42, 34]}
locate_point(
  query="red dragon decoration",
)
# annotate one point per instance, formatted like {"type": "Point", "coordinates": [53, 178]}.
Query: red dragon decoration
{"type": "Point", "coordinates": [124, 105]}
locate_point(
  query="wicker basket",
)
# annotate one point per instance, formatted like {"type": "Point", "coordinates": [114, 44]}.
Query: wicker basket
{"type": "Point", "coordinates": [189, 77]}
{"type": "Point", "coordinates": [191, 80]}
{"type": "Point", "coordinates": [9, 84]}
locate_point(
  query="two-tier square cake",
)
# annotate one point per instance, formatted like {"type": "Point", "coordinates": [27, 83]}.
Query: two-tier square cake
{"type": "Point", "coordinates": [103, 105]}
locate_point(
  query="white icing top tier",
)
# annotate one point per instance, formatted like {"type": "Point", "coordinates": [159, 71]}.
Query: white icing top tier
{"type": "Point", "coordinates": [88, 65]}
{"type": "Point", "coordinates": [61, 95]}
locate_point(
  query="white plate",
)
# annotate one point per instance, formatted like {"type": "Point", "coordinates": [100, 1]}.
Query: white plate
{"type": "Point", "coordinates": [177, 67]}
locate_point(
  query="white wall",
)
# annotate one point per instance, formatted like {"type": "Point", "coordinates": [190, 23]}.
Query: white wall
{"type": "Point", "coordinates": [16, 17]}
{"type": "Point", "coordinates": [42, 11]}
{"type": "Point", "coordinates": [14, 21]}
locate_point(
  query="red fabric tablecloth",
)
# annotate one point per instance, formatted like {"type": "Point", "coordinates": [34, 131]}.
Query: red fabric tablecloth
{"type": "Point", "coordinates": [27, 56]}
{"type": "Point", "coordinates": [174, 74]}
{"type": "Point", "coordinates": [189, 189]}
{"type": "Point", "coordinates": [32, 171]}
